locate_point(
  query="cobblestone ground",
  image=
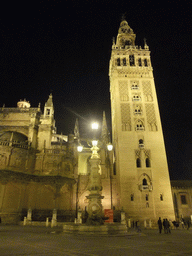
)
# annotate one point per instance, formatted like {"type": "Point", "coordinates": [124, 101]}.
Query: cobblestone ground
{"type": "Point", "coordinates": [19, 240]}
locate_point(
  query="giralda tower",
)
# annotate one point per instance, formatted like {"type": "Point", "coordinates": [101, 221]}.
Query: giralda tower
{"type": "Point", "coordinates": [141, 164]}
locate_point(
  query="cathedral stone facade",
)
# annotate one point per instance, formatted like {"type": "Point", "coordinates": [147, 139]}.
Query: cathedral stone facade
{"type": "Point", "coordinates": [41, 172]}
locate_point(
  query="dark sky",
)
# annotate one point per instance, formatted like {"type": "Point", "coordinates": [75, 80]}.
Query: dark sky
{"type": "Point", "coordinates": [64, 47]}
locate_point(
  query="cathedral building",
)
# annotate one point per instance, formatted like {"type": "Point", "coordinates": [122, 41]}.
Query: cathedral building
{"type": "Point", "coordinates": [42, 172]}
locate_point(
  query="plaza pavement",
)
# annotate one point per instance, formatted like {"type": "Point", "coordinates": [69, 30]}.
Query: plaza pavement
{"type": "Point", "coordinates": [27, 240]}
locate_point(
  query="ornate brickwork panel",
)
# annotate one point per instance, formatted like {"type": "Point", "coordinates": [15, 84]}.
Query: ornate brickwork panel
{"type": "Point", "coordinates": [125, 117]}
{"type": "Point", "coordinates": [151, 118]}
{"type": "Point", "coordinates": [147, 153]}
{"type": "Point", "coordinates": [123, 90]}
{"type": "Point", "coordinates": [147, 91]}
{"type": "Point", "coordinates": [137, 153]}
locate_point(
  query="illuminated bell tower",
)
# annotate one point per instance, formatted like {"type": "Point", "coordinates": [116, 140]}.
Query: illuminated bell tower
{"type": "Point", "coordinates": [141, 164]}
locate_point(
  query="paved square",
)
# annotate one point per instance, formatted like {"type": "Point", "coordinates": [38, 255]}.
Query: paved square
{"type": "Point", "coordinates": [20, 240]}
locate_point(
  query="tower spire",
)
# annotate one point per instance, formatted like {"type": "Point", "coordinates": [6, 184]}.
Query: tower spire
{"type": "Point", "coordinates": [104, 133]}
{"type": "Point", "coordinates": [76, 129]}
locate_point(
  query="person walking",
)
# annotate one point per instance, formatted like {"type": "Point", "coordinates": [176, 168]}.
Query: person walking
{"type": "Point", "coordinates": [164, 226]}
{"type": "Point", "coordinates": [160, 225]}
{"type": "Point", "coordinates": [167, 226]}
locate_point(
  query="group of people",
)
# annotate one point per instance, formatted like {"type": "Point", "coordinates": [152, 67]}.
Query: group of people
{"type": "Point", "coordinates": [164, 225]}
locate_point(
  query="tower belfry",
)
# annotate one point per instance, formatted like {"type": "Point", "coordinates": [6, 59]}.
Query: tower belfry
{"type": "Point", "coordinates": [141, 164]}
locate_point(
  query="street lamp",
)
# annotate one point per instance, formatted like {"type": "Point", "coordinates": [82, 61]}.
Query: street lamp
{"type": "Point", "coordinates": [95, 186]}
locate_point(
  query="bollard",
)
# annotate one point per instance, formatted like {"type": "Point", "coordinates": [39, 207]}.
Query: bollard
{"type": "Point", "coordinates": [129, 223]}
{"type": "Point", "coordinates": [54, 218]}
{"type": "Point", "coordinates": [123, 220]}
{"type": "Point", "coordinates": [79, 216]}
{"type": "Point", "coordinates": [150, 223]}
{"type": "Point", "coordinates": [25, 221]}
{"type": "Point", "coordinates": [47, 222]}
{"type": "Point", "coordinates": [29, 214]}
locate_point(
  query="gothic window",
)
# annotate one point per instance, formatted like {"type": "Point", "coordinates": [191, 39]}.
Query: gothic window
{"type": "Point", "coordinates": [139, 126]}
{"type": "Point", "coordinates": [132, 197]}
{"type": "Point", "coordinates": [147, 162]}
{"type": "Point", "coordinates": [135, 86]}
{"type": "Point", "coordinates": [139, 62]}
{"type": "Point", "coordinates": [145, 182]}
{"type": "Point", "coordinates": [136, 98]}
{"type": "Point", "coordinates": [118, 62]}
{"type": "Point", "coordinates": [138, 163]}
{"type": "Point", "coordinates": [131, 60]}
{"type": "Point", "coordinates": [124, 62]}
{"type": "Point", "coordinates": [137, 109]}
{"type": "Point", "coordinates": [161, 197]}
{"type": "Point", "coordinates": [145, 62]}
{"type": "Point", "coordinates": [147, 197]}
{"type": "Point", "coordinates": [183, 199]}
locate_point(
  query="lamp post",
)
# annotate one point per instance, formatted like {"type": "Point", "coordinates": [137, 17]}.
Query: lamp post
{"type": "Point", "coordinates": [95, 186]}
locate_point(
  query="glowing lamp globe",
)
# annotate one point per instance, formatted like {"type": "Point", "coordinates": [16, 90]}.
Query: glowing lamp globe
{"type": "Point", "coordinates": [110, 147]}
{"type": "Point", "coordinates": [80, 148]}
{"type": "Point", "coordinates": [95, 126]}
{"type": "Point", "coordinates": [94, 143]}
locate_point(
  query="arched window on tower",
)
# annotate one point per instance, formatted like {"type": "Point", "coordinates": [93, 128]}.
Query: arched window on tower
{"type": "Point", "coordinates": [139, 62]}
{"type": "Point", "coordinates": [118, 62]}
{"type": "Point", "coordinates": [138, 162]}
{"type": "Point", "coordinates": [139, 126]}
{"type": "Point", "coordinates": [124, 62]}
{"type": "Point", "coordinates": [147, 162]}
{"type": "Point", "coordinates": [137, 110]}
{"type": "Point", "coordinates": [131, 60]}
{"type": "Point", "coordinates": [145, 63]}
{"type": "Point", "coordinates": [145, 182]}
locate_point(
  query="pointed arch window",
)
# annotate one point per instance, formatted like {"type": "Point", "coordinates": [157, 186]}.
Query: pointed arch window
{"type": "Point", "coordinates": [136, 98]}
{"type": "Point", "coordinates": [137, 110]}
{"type": "Point", "coordinates": [138, 162]}
{"type": "Point", "coordinates": [139, 126]}
{"type": "Point", "coordinates": [134, 86]}
{"type": "Point", "coordinates": [147, 162]}
{"type": "Point", "coordinates": [145, 182]}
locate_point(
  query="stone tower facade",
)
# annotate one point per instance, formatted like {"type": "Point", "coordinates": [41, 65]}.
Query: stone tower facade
{"type": "Point", "coordinates": [141, 164]}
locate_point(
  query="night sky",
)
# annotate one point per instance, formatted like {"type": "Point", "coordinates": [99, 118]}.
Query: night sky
{"type": "Point", "coordinates": [64, 47]}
